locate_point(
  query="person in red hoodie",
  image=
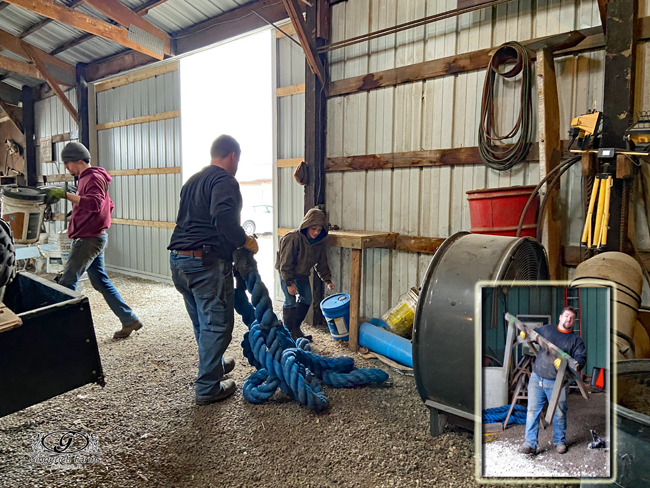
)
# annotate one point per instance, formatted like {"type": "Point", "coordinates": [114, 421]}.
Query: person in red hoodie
{"type": "Point", "coordinates": [91, 216]}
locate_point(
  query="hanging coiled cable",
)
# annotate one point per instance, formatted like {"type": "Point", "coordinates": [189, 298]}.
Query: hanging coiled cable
{"type": "Point", "coordinates": [494, 152]}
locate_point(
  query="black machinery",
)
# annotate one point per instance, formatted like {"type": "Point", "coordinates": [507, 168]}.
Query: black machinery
{"type": "Point", "coordinates": [444, 327]}
{"type": "Point", "coordinates": [47, 338]}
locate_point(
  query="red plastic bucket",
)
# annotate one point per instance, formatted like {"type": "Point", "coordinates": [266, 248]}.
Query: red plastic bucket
{"type": "Point", "coordinates": [497, 211]}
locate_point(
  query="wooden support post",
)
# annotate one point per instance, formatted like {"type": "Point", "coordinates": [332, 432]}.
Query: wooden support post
{"type": "Point", "coordinates": [618, 105]}
{"type": "Point", "coordinates": [588, 164]}
{"type": "Point", "coordinates": [82, 104]}
{"type": "Point", "coordinates": [550, 153]}
{"type": "Point", "coordinates": [315, 124]}
{"type": "Point", "coordinates": [29, 127]}
{"type": "Point", "coordinates": [355, 298]}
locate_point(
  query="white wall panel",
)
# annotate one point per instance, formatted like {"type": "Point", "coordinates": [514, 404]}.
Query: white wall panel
{"type": "Point", "coordinates": [141, 250]}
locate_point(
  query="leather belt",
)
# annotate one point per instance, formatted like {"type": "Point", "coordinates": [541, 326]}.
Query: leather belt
{"type": "Point", "coordinates": [195, 254]}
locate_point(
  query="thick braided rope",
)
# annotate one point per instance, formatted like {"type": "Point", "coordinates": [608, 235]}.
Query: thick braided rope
{"type": "Point", "coordinates": [499, 414]}
{"type": "Point", "coordinates": [281, 362]}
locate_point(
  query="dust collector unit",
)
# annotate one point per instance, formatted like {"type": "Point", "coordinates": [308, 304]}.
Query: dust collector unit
{"type": "Point", "coordinates": [444, 328]}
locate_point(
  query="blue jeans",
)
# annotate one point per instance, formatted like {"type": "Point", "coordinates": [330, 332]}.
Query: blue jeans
{"type": "Point", "coordinates": [209, 297]}
{"type": "Point", "coordinates": [304, 292]}
{"type": "Point", "coordinates": [88, 255]}
{"type": "Point", "coordinates": [537, 397]}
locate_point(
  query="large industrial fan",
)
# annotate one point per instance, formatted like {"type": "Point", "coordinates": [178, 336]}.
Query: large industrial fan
{"type": "Point", "coordinates": [444, 328]}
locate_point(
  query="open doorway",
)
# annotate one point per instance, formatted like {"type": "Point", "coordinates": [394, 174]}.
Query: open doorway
{"type": "Point", "coordinates": [228, 89]}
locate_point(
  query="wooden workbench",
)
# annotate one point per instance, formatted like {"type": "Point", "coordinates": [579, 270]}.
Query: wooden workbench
{"type": "Point", "coordinates": [357, 241]}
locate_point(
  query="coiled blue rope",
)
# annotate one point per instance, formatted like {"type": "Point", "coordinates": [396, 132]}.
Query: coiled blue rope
{"type": "Point", "coordinates": [499, 414]}
{"type": "Point", "coordinates": [281, 362]}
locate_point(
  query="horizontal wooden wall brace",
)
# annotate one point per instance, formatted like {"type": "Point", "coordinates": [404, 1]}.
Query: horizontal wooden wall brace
{"type": "Point", "coordinates": [414, 159]}
{"type": "Point", "coordinates": [285, 91]}
{"type": "Point", "coordinates": [562, 44]}
{"type": "Point", "coordinates": [144, 223]}
{"type": "Point", "coordinates": [426, 245]}
{"type": "Point", "coordinates": [571, 256]}
{"type": "Point", "coordinates": [289, 163]}
{"type": "Point", "coordinates": [140, 120]}
{"type": "Point", "coordinates": [173, 170]}
{"type": "Point", "coordinates": [141, 75]}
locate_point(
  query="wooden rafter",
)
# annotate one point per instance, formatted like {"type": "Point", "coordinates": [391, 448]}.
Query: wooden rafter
{"type": "Point", "coordinates": [306, 41]}
{"type": "Point", "coordinates": [63, 72]}
{"type": "Point", "coordinates": [12, 113]}
{"type": "Point", "coordinates": [124, 16]}
{"type": "Point", "coordinates": [151, 4]}
{"type": "Point", "coordinates": [36, 58]}
{"type": "Point", "coordinates": [602, 9]}
{"type": "Point", "coordinates": [20, 68]}
{"type": "Point", "coordinates": [81, 21]}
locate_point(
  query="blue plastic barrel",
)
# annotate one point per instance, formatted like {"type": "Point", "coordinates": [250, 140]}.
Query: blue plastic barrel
{"type": "Point", "coordinates": [386, 343]}
{"type": "Point", "coordinates": [336, 309]}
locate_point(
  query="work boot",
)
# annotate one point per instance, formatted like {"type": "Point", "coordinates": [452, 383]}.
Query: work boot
{"type": "Point", "coordinates": [561, 448]}
{"type": "Point", "coordinates": [301, 313]}
{"type": "Point", "coordinates": [289, 317]}
{"type": "Point", "coordinates": [127, 329]}
{"type": "Point", "coordinates": [228, 365]}
{"type": "Point", "coordinates": [226, 388]}
{"type": "Point", "coordinates": [526, 449]}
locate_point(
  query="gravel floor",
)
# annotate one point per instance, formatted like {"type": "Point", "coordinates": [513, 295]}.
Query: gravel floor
{"type": "Point", "coordinates": [151, 434]}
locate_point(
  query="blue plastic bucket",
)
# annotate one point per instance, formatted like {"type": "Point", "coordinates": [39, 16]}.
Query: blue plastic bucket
{"type": "Point", "coordinates": [386, 343]}
{"type": "Point", "coordinates": [336, 309]}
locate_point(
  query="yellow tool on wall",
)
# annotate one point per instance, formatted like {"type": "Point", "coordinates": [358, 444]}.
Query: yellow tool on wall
{"type": "Point", "coordinates": [602, 190]}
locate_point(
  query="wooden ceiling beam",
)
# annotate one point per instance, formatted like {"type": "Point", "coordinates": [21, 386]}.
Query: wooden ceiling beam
{"type": "Point", "coordinates": [124, 16]}
{"type": "Point", "coordinates": [151, 4]}
{"type": "Point", "coordinates": [602, 9]}
{"type": "Point", "coordinates": [62, 71]}
{"type": "Point", "coordinates": [307, 42]}
{"type": "Point", "coordinates": [20, 67]}
{"type": "Point", "coordinates": [35, 56]}
{"type": "Point", "coordinates": [81, 21]}
{"type": "Point", "coordinates": [71, 44]}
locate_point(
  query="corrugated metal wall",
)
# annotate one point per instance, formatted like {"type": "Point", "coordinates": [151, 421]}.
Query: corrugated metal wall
{"type": "Point", "coordinates": [290, 65]}
{"type": "Point", "coordinates": [141, 249]}
{"type": "Point", "coordinates": [545, 300]}
{"type": "Point", "coordinates": [290, 138]}
{"type": "Point", "coordinates": [435, 114]}
{"type": "Point", "coordinates": [52, 119]}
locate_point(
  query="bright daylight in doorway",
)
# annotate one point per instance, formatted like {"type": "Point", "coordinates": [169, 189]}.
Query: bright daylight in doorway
{"type": "Point", "coordinates": [229, 90]}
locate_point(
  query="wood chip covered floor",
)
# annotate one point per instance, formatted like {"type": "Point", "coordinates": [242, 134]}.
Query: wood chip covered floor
{"type": "Point", "coordinates": [150, 432]}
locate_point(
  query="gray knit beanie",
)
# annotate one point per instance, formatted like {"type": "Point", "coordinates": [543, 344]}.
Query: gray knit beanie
{"type": "Point", "coordinates": [74, 151]}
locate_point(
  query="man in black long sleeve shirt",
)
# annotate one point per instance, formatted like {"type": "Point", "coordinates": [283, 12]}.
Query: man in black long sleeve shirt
{"type": "Point", "coordinates": [542, 381]}
{"type": "Point", "coordinates": [206, 234]}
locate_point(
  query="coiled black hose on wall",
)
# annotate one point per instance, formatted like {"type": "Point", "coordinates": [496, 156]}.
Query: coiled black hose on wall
{"type": "Point", "coordinates": [494, 153]}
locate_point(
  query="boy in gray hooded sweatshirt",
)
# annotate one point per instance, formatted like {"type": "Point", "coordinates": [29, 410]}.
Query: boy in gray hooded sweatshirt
{"type": "Point", "coordinates": [299, 251]}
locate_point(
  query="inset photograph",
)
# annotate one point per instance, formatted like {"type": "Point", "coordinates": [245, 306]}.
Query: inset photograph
{"type": "Point", "coordinates": [545, 382]}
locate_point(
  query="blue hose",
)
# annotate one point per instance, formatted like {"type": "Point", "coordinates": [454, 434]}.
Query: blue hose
{"type": "Point", "coordinates": [280, 361]}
